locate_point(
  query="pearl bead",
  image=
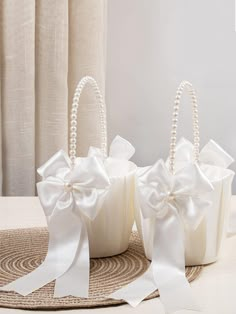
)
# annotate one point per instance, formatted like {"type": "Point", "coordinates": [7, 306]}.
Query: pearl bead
{"type": "Point", "coordinates": [72, 152]}
{"type": "Point", "coordinates": [73, 116]}
{"type": "Point", "coordinates": [73, 140]}
{"type": "Point", "coordinates": [76, 98]}
{"type": "Point", "coordinates": [74, 105]}
{"type": "Point", "coordinates": [73, 129]}
{"type": "Point", "coordinates": [73, 134]}
{"type": "Point", "coordinates": [73, 123]}
{"type": "Point", "coordinates": [72, 146]}
{"type": "Point", "coordinates": [78, 89]}
{"type": "Point", "coordinates": [175, 114]}
{"type": "Point", "coordinates": [68, 187]}
{"type": "Point", "coordinates": [74, 111]}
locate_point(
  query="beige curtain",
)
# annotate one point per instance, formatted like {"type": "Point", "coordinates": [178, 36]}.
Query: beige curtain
{"type": "Point", "coordinates": [46, 46]}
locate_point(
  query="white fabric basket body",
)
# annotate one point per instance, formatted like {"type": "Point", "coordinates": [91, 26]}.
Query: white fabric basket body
{"type": "Point", "coordinates": [110, 231]}
{"type": "Point", "coordinates": [202, 246]}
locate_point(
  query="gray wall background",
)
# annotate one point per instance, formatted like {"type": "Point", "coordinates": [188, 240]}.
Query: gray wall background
{"type": "Point", "coordinates": [152, 46]}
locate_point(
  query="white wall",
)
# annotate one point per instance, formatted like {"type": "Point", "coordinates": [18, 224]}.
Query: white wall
{"type": "Point", "coordinates": [152, 46]}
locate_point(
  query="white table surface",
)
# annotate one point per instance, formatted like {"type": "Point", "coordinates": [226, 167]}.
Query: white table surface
{"type": "Point", "coordinates": [215, 288]}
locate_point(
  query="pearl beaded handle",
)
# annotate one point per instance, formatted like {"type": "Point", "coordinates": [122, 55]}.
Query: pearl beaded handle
{"type": "Point", "coordinates": [74, 110]}
{"type": "Point", "coordinates": [188, 86]}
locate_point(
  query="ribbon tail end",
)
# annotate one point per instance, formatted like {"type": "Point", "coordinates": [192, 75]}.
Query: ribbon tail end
{"type": "Point", "coordinates": [77, 294]}
{"type": "Point", "coordinates": [117, 296]}
{"type": "Point", "coordinates": [10, 288]}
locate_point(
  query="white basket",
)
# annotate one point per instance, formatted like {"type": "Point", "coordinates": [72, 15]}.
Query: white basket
{"type": "Point", "coordinates": [110, 231]}
{"type": "Point", "coordinates": [202, 246]}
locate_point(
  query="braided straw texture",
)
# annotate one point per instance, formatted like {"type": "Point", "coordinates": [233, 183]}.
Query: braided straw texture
{"type": "Point", "coordinates": [22, 250]}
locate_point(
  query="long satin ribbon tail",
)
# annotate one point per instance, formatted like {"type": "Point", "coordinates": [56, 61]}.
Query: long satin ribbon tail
{"type": "Point", "coordinates": [59, 258]}
{"type": "Point", "coordinates": [177, 295]}
{"type": "Point", "coordinates": [167, 270]}
{"type": "Point", "coordinates": [135, 292]}
{"type": "Point", "coordinates": [75, 281]}
{"type": "Point", "coordinates": [169, 264]}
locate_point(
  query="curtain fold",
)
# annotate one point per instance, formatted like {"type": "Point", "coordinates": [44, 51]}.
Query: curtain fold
{"type": "Point", "coordinates": [46, 46]}
{"type": "Point", "coordinates": [87, 45]}
{"type": "Point", "coordinates": [51, 63]}
{"type": "Point", "coordinates": [18, 94]}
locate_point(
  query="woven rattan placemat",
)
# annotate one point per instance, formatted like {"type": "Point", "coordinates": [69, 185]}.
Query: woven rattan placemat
{"type": "Point", "coordinates": [22, 250]}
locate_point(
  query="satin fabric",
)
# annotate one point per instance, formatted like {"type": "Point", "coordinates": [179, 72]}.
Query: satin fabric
{"type": "Point", "coordinates": [170, 202]}
{"type": "Point", "coordinates": [110, 232]}
{"type": "Point", "coordinates": [68, 195]}
{"type": "Point", "coordinates": [203, 245]}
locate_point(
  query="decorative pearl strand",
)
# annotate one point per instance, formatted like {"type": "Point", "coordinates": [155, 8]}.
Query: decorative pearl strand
{"type": "Point", "coordinates": [190, 89]}
{"type": "Point", "coordinates": [74, 110]}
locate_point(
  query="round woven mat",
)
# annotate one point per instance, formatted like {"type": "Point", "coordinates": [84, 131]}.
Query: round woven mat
{"type": "Point", "coordinates": [23, 250]}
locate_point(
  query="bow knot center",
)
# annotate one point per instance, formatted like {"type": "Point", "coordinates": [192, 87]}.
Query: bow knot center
{"type": "Point", "coordinates": [68, 187]}
{"type": "Point", "coordinates": [169, 197]}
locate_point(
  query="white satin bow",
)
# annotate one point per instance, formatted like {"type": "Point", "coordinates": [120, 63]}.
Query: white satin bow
{"type": "Point", "coordinates": [171, 200]}
{"type": "Point", "coordinates": [117, 163]}
{"type": "Point", "coordinates": [67, 193]}
{"type": "Point", "coordinates": [211, 154]}
{"type": "Point", "coordinates": [120, 148]}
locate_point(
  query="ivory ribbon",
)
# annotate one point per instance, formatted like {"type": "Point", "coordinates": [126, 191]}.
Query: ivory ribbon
{"type": "Point", "coordinates": [67, 193]}
{"type": "Point", "coordinates": [120, 148]}
{"type": "Point", "coordinates": [173, 200]}
{"type": "Point", "coordinates": [211, 154]}
{"type": "Point", "coordinates": [117, 163]}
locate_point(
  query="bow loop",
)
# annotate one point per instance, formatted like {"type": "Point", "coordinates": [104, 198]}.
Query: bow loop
{"type": "Point", "coordinates": [211, 154]}
{"type": "Point", "coordinates": [190, 180]}
{"type": "Point", "coordinates": [49, 192]}
{"type": "Point", "coordinates": [121, 148]}
{"type": "Point", "coordinates": [54, 165]}
{"type": "Point", "coordinates": [89, 172]}
{"type": "Point", "coordinates": [215, 155]}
